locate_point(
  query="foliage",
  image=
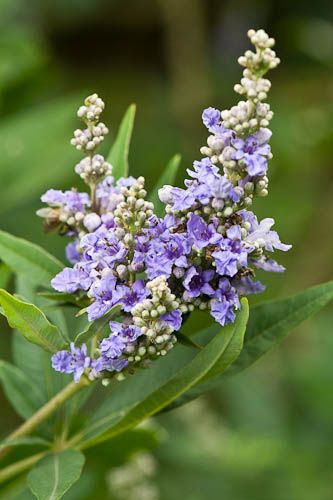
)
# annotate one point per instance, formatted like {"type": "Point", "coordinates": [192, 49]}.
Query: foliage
{"type": "Point", "coordinates": [274, 315]}
{"type": "Point", "coordinates": [182, 376]}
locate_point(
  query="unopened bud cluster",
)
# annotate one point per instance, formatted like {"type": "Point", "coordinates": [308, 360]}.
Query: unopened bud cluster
{"type": "Point", "coordinates": [93, 168]}
{"type": "Point", "coordinates": [92, 109]}
{"type": "Point", "coordinates": [132, 213]}
{"type": "Point", "coordinates": [248, 116]}
{"type": "Point", "coordinates": [157, 318]}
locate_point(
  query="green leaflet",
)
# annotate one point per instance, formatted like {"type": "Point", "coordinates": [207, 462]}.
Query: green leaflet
{"type": "Point", "coordinates": [27, 291]}
{"type": "Point", "coordinates": [25, 441]}
{"type": "Point", "coordinates": [5, 275]}
{"type": "Point", "coordinates": [269, 323]}
{"type": "Point", "coordinates": [186, 340]}
{"type": "Point", "coordinates": [235, 345]}
{"type": "Point", "coordinates": [112, 418]}
{"type": "Point", "coordinates": [31, 322]}
{"type": "Point", "coordinates": [28, 260]}
{"type": "Point", "coordinates": [118, 156]}
{"type": "Point", "coordinates": [34, 361]}
{"type": "Point", "coordinates": [55, 474]}
{"type": "Point", "coordinates": [63, 299]}
{"type": "Point", "coordinates": [96, 328]}
{"type": "Point", "coordinates": [168, 177]}
{"type": "Point", "coordinates": [24, 395]}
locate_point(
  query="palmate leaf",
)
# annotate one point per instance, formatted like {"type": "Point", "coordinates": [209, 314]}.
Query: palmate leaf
{"type": "Point", "coordinates": [118, 156]}
{"type": "Point", "coordinates": [55, 474]}
{"type": "Point", "coordinates": [31, 322]}
{"type": "Point", "coordinates": [22, 393]}
{"type": "Point", "coordinates": [269, 323]}
{"type": "Point", "coordinates": [28, 260]}
{"type": "Point", "coordinates": [146, 395]}
{"type": "Point", "coordinates": [168, 177]}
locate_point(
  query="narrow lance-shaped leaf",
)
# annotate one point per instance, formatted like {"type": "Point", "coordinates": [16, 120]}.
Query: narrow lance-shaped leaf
{"type": "Point", "coordinates": [107, 424]}
{"type": "Point", "coordinates": [188, 341]}
{"type": "Point", "coordinates": [25, 396]}
{"type": "Point", "coordinates": [269, 324]}
{"type": "Point", "coordinates": [31, 322]}
{"type": "Point", "coordinates": [54, 475]}
{"type": "Point", "coordinates": [118, 155]}
{"type": "Point", "coordinates": [28, 260]}
{"type": "Point", "coordinates": [168, 177]}
{"type": "Point", "coordinates": [272, 321]}
{"type": "Point", "coordinates": [231, 354]}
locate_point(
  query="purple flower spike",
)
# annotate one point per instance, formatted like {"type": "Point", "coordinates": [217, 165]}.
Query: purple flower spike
{"type": "Point", "coordinates": [253, 151]}
{"type": "Point", "coordinates": [126, 332]}
{"type": "Point", "coordinates": [173, 319]}
{"type": "Point", "coordinates": [112, 347]}
{"type": "Point", "coordinates": [211, 117]}
{"type": "Point", "coordinates": [130, 296]}
{"type": "Point", "coordinates": [196, 282]}
{"type": "Point", "coordinates": [61, 362]}
{"type": "Point", "coordinates": [70, 280]}
{"type": "Point", "coordinates": [225, 303]}
{"type": "Point", "coordinates": [103, 291]}
{"type": "Point", "coordinates": [200, 233]}
{"type": "Point", "coordinates": [74, 361]}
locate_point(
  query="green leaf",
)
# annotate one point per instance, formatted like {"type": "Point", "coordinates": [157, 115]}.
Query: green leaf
{"type": "Point", "coordinates": [31, 322]}
{"type": "Point", "coordinates": [119, 450]}
{"type": "Point", "coordinates": [97, 328]}
{"type": "Point", "coordinates": [118, 156]}
{"type": "Point", "coordinates": [186, 340]}
{"type": "Point", "coordinates": [34, 361]}
{"type": "Point", "coordinates": [65, 298]}
{"type": "Point", "coordinates": [25, 441]}
{"type": "Point", "coordinates": [55, 474]}
{"type": "Point", "coordinates": [231, 354]}
{"type": "Point", "coordinates": [28, 260]}
{"type": "Point", "coordinates": [271, 322]}
{"type": "Point", "coordinates": [25, 396]}
{"type": "Point", "coordinates": [110, 421]}
{"type": "Point", "coordinates": [27, 291]}
{"type": "Point", "coordinates": [5, 275]}
{"type": "Point", "coordinates": [168, 177]}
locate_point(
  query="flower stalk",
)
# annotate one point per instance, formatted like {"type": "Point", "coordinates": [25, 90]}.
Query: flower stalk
{"type": "Point", "coordinates": [20, 466]}
{"type": "Point", "coordinates": [46, 411]}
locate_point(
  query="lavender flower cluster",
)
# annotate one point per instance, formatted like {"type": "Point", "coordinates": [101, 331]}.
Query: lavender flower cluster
{"type": "Point", "coordinates": [202, 254]}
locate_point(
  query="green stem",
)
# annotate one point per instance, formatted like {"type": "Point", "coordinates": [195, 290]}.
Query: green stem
{"type": "Point", "coordinates": [21, 466]}
{"type": "Point", "coordinates": [45, 411]}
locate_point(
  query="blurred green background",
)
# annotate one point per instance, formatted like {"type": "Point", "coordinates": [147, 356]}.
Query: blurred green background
{"type": "Point", "coordinates": [267, 433]}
